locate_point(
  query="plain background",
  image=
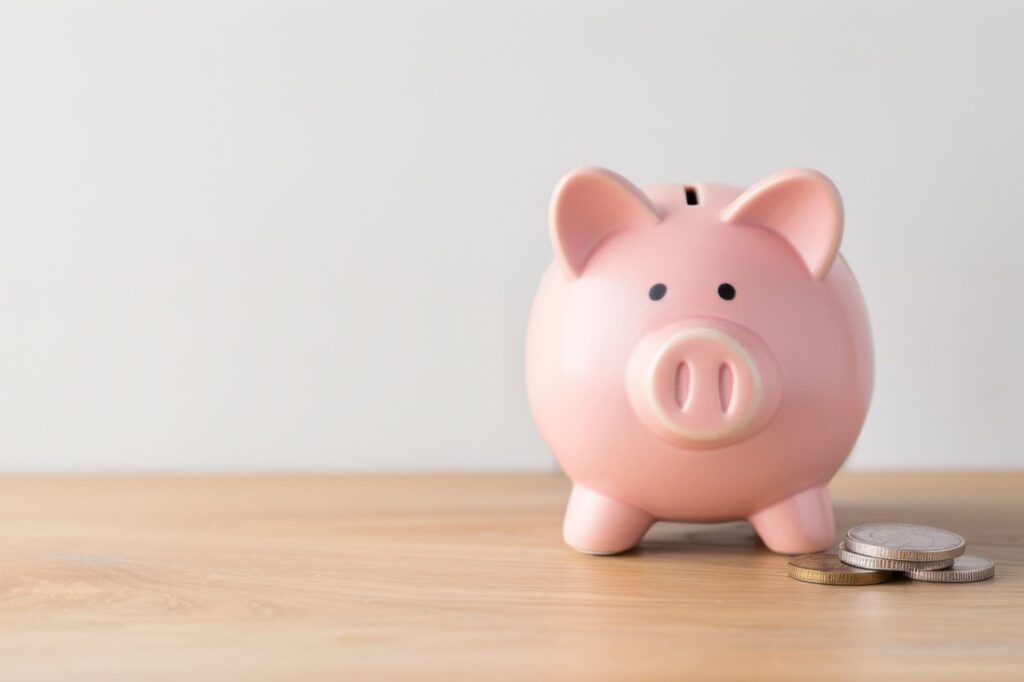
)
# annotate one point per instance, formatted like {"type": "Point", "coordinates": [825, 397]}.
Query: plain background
{"type": "Point", "coordinates": [296, 235]}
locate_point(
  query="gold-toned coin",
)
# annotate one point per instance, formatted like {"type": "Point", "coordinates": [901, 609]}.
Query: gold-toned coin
{"type": "Point", "coordinates": [879, 564]}
{"type": "Point", "coordinates": [965, 569]}
{"type": "Point", "coordinates": [904, 542]}
{"type": "Point", "coordinates": [827, 569]}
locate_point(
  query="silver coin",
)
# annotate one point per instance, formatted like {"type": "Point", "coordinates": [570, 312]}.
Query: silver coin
{"type": "Point", "coordinates": [879, 564]}
{"type": "Point", "coordinates": [965, 569]}
{"type": "Point", "coordinates": [904, 542]}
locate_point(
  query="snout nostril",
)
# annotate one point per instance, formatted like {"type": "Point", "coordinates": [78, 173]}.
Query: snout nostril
{"type": "Point", "coordinates": [725, 387]}
{"type": "Point", "coordinates": [682, 385]}
{"type": "Point", "coordinates": [701, 386]}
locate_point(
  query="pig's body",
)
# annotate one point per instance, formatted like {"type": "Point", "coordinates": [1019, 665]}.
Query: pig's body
{"type": "Point", "coordinates": [697, 405]}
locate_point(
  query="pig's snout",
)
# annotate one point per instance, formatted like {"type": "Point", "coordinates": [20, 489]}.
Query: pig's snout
{"type": "Point", "coordinates": [703, 384]}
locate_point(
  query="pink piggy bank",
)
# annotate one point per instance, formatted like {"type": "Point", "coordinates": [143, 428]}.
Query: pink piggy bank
{"type": "Point", "coordinates": [698, 353]}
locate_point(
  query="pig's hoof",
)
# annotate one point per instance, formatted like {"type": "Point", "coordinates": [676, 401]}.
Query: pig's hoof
{"type": "Point", "coordinates": [599, 552]}
{"type": "Point", "coordinates": [800, 524]}
{"type": "Point", "coordinates": [596, 524]}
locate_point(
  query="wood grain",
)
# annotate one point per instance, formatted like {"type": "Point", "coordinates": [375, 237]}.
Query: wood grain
{"type": "Point", "coordinates": [465, 576]}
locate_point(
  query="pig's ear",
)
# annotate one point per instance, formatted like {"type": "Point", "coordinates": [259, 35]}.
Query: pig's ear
{"type": "Point", "coordinates": [803, 207]}
{"type": "Point", "coordinates": [589, 204]}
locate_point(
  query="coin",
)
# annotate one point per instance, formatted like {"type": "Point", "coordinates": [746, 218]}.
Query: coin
{"type": "Point", "coordinates": [827, 569]}
{"type": "Point", "coordinates": [965, 569]}
{"type": "Point", "coordinates": [904, 542]}
{"type": "Point", "coordinates": [879, 564]}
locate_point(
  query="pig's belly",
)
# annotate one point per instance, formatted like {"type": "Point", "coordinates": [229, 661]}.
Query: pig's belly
{"type": "Point", "coordinates": [709, 486]}
{"type": "Point", "coordinates": [703, 502]}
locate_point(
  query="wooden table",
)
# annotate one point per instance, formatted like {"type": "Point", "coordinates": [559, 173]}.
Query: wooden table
{"type": "Point", "coordinates": [431, 577]}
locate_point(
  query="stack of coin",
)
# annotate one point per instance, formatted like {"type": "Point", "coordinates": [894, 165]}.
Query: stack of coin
{"type": "Point", "coordinates": [877, 552]}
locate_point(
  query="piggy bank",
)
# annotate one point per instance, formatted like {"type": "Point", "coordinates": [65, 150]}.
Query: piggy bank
{"type": "Point", "coordinates": [698, 353]}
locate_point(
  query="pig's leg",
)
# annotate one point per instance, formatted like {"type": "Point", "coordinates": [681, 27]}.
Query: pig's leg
{"type": "Point", "coordinates": [595, 524]}
{"type": "Point", "coordinates": [799, 524]}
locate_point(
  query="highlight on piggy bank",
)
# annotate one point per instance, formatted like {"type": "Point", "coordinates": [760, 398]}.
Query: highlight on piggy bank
{"type": "Point", "coordinates": [698, 352]}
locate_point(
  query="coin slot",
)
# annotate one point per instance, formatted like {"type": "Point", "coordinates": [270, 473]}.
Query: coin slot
{"type": "Point", "coordinates": [691, 196]}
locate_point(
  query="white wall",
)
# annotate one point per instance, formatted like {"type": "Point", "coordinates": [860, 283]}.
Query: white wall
{"type": "Point", "coordinates": [306, 235]}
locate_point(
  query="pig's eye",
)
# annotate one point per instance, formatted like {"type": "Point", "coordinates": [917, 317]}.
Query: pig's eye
{"type": "Point", "coordinates": [726, 291]}
{"type": "Point", "coordinates": [657, 292]}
